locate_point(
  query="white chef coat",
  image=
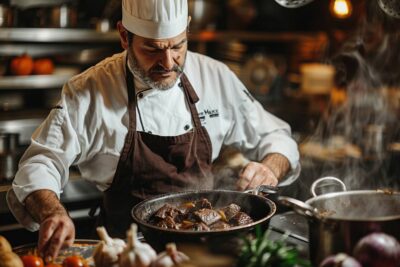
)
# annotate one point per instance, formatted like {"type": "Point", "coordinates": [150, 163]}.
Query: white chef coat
{"type": "Point", "coordinates": [89, 126]}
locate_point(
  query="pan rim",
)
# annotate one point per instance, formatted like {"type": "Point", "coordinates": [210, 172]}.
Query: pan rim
{"type": "Point", "coordinates": [335, 195]}
{"type": "Point", "coordinates": [234, 229]}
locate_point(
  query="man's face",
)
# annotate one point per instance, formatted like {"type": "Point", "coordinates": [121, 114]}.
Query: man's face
{"type": "Point", "coordinates": [158, 63]}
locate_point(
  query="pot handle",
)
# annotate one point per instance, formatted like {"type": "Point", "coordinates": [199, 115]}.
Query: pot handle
{"type": "Point", "coordinates": [327, 181]}
{"type": "Point", "coordinates": [299, 207]}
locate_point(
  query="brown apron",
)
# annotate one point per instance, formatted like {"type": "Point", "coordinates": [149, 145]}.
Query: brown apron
{"type": "Point", "coordinates": [150, 164]}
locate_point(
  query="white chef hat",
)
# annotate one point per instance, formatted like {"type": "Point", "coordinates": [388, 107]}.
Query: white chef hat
{"type": "Point", "coordinates": [155, 19]}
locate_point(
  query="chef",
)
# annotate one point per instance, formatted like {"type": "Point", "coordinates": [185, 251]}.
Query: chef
{"type": "Point", "coordinates": [146, 121]}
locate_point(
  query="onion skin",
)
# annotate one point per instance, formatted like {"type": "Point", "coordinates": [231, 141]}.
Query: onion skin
{"type": "Point", "coordinates": [378, 250]}
{"type": "Point", "coordinates": [340, 260]}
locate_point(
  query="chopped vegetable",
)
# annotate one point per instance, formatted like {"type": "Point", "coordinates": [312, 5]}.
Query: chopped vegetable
{"type": "Point", "coordinates": [261, 251]}
{"type": "Point", "coordinates": [378, 250]}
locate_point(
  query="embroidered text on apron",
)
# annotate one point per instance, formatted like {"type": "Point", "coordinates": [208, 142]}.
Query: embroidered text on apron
{"type": "Point", "coordinates": [150, 164]}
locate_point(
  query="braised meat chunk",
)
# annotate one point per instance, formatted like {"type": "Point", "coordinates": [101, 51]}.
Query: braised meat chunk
{"type": "Point", "coordinates": [199, 215]}
{"type": "Point", "coordinates": [203, 204]}
{"type": "Point", "coordinates": [240, 218]}
{"type": "Point", "coordinates": [168, 223]}
{"type": "Point", "coordinates": [230, 211]}
{"type": "Point", "coordinates": [207, 216]}
{"type": "Point", "coordinates": [166, 210]}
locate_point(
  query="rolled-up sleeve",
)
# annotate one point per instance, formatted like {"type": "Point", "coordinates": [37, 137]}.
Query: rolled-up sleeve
{"type": "Point", "coordinates": [256, 132]}
{"type": "Point", "coordinates": [45, 164]}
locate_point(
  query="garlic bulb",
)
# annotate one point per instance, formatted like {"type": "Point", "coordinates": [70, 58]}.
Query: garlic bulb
{"type": "Point", "coordinates": [170, 257]}
{"type": "Point", "coordinates": [136, 253]}
{"type": "Point", "coordinates": [107, 251]}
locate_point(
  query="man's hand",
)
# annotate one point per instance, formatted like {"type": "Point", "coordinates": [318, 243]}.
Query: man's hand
{"type": "Point", "coordinates": [271, 169]}
{"type": "Point", "coordinates": [56, 227]}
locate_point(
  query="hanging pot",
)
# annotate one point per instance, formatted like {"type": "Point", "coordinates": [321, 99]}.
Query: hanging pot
{"type": "Point", "coordinates": [337, 221]}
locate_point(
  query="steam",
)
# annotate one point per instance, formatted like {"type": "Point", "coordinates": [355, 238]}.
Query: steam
{"type": "Point", "coordinates": [368, 67]}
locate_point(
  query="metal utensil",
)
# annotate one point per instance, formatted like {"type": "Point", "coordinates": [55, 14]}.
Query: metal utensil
{"type": "Point", "coordinates": [390, 7]}
{"type": "Point", "coordinates": [293, 3]}
{"type": "Point", "coordinates": [300, 207]}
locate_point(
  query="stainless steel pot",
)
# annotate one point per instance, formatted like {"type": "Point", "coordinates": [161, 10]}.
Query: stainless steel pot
{"type": "Point", "coordinates": [56, 16]}
{"type": "Point", "coordinates": [6, 16]}
{"type": "Point", "coordinates": [204, 14]}
{"type": "Point", "coordinates": [337, 221]}
{"type": "Point", "coordinates": [9, 156]}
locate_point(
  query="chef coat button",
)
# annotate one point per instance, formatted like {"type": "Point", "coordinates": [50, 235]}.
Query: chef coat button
{"type": "Point", "coordinates": [140, 95]}
{"type": "Point", "coordinates": [180, 85]}
{"type": "Point", "coordinates": [186, 127]}
{"type": "Point", "coordinates": [149, 132]}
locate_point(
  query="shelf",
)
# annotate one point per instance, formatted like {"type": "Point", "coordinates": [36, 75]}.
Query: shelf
{"type": "Point", "coordinates": [223, 36]}
{"type": "Point", "coordinates": [33, 82]}
{"type": "Point", "coordinates": [57, 35]}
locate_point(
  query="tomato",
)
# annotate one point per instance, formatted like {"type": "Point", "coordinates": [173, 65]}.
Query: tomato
{"type": "Point", "coordinates": [52, 265]}
{"type": "Point", "coordinates": [32, 261]}
{"type": "Point", "coordinates": [22, 65]}
{"type": "Point", "coordinates": [74, 261]}
{"type": "Point", "coordinates": [43, 66]}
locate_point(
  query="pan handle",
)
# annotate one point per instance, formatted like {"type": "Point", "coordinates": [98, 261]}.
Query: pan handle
{"type": "Point", "coordinates": [300, 207]}
{"type": "Point", "coordinates": [325, 182]}
{"type": "Point", "coordinates": [263, 189]}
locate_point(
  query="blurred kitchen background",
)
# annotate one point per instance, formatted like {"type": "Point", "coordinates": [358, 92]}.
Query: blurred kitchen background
{"type": "Point", "coordinates": [329, 68]}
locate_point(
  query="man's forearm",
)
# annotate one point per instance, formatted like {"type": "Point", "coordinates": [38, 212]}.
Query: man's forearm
{"type": "Point", "coordinates": [278, 164]}
{"type": "Point", "coordinates": [43, 203]}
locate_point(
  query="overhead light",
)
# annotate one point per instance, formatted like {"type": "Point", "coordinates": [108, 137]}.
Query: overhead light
{"type": "Point", "coordinates": [341, 9]}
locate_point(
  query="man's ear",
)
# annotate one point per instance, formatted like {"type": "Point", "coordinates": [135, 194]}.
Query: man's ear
{"type": "Point", "coordinates": [123, 35]}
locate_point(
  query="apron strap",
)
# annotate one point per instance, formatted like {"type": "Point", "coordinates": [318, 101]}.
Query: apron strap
{"type": "Point", "coordinates": [193, 99]}
{"type": "Point", "coordinates": [130, 87]}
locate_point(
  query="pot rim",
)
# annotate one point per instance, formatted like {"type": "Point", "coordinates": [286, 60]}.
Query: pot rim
{"type": "Point", "coordinates": [355, 192]}
{"type": "Point", "coordinates": [140, 222]}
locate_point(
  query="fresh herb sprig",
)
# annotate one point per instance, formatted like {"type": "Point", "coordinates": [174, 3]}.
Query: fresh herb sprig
{"type": "Point", "coordinates": [261, 251]}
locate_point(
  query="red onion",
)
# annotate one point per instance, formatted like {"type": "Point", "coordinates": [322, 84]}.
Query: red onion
{"type": "Point", "coordinates": [378, 250]}
{"type": "Point", "coordinates": [340, 260]}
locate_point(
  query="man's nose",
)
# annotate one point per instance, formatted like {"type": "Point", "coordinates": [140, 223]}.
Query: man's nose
{"type": "Point", "coordinates": [167, 60]}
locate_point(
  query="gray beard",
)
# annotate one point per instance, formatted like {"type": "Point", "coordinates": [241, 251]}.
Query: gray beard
{"type": "Point", "coordinates": [140, 73]}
